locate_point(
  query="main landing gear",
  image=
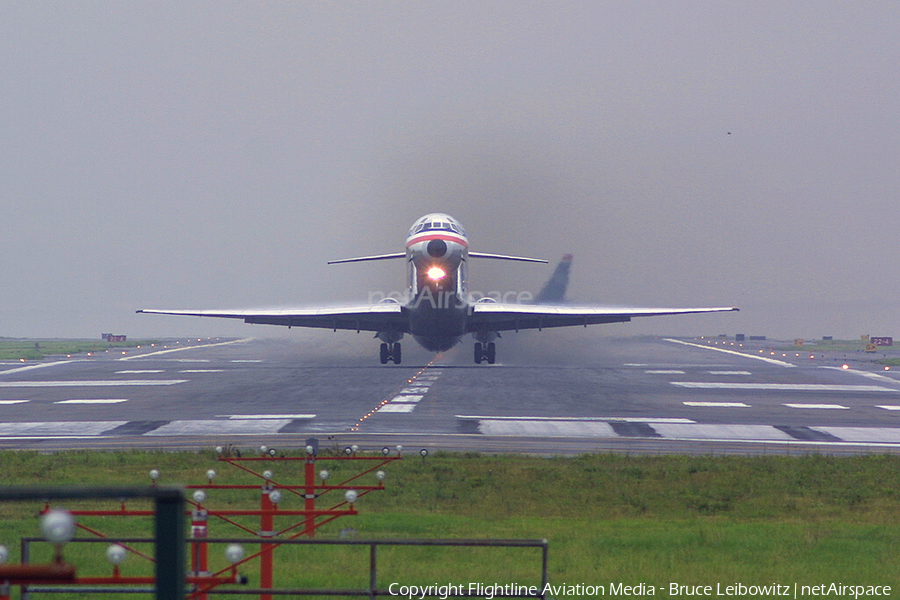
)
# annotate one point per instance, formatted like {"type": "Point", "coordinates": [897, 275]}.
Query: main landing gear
{"type": "Point", "coordinates": [486, 352]}
{"type": "Point", "coordinates": [390, 352]}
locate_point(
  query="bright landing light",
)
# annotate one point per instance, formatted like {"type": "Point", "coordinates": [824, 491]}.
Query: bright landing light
{"type": "Point", "coordinates": [436, 273]}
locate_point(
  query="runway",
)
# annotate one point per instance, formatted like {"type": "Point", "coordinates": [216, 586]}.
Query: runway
{"type": "Point", "coordinates": [550, 393]}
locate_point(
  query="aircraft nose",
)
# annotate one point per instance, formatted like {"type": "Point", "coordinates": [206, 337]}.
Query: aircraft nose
{"type": "Point", "coordinates": [436, 248]}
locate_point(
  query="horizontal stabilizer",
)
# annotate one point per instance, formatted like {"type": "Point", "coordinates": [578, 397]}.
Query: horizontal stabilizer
{"type": "Point", "coordinates": [365, 258]}
{"type": "Point", "coordinates": [504, 257]}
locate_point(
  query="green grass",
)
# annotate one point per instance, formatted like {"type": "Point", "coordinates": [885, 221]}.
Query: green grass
{"type": "Point", "coordinates": [20, 349]}
{"type": "Point", "coordinates": [609, 518]}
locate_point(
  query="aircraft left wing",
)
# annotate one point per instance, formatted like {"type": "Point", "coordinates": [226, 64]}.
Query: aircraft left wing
{"type": "Point", "coordinates": [384, 316]}
{"type": "Point", "coordinates": [496, 316]}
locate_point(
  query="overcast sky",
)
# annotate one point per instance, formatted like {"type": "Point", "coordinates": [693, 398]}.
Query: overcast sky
{"type": "Point", "coordinates": [216, 154]}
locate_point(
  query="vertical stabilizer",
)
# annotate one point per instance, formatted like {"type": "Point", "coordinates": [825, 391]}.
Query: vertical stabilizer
{"type": "Point", "coordinates": [554, 291]}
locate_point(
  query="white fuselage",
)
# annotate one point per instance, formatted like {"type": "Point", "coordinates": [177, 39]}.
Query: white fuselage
{"type": "Point", "coordinates": [437, 254]}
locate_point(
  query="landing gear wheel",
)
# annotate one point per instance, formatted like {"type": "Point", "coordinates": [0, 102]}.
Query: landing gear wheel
{"type": "Point", "coordinates": [395, 353]}
{"type": "Point", "coordinates": [491, 353]}
{"type": "Point", "coordinates": [385, 354]}
{"type": "Point", "coordinates": [479, 355]}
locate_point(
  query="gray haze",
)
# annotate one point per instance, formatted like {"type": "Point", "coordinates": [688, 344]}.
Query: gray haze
{"type": "Point", "coordinates": [216, 154]}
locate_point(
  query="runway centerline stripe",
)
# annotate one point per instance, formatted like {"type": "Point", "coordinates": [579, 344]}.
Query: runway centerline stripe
{"type": "Point", "coordinates": [780, 363]}
{"type": "Point", "coordinates": [106, 383]}
{"type": "Point", "coordinates": [889, 407]}
{"type": "Point", "coordinates": [602, 419]}
{"type": "Point", "coordinates": [791, 387]}
{"type": "Point", "coordinates": [92, 401]}
{"type": "Point", "coordinates": [5, 402]}
{"type": "Point", "coordinates": [820, 406]}
{"type": "Point", "coordinates": [718, 404]}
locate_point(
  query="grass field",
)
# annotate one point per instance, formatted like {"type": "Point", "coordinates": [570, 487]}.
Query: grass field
{"type": "Point", "coordinates": [30, 349]}
{"type": "Point", "coordinates": [609, 518]}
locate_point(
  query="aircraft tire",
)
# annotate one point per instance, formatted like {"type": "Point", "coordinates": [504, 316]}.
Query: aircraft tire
{"type": "Point", "coordinates": [396, 354]}
{"type": "Point", "coordinates": [479, 355]}
{"type": "Point", "coordinates": [491, 353]}
{"type": "Point", "coordinates": [385, 354]}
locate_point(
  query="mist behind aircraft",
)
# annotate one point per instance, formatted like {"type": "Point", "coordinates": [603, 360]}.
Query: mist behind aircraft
{"type": "Point", "coordinates": [219, 155]}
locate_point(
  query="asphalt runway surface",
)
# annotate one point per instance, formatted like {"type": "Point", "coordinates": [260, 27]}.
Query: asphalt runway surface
{"type": "Point", "coordinates": [549, 393]}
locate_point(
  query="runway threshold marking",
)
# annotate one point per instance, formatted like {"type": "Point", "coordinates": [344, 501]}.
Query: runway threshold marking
{"type": "Point", "coordinates": [773, 361]}
{"type": "Point", "coordinates": [107, 383]}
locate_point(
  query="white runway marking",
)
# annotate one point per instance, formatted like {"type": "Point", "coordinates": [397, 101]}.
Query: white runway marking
{"type": "Point", "coordinates": [93, 401]}
{"type": "Point", "coordinates": [139, 371]}
{"type": "Point", "coordinates": [219, 427]}
{"type": "Point", "coordinates": [889, 407]}
{"type": "Point", "coordinates": [730, 373]}
{"type": "Point", "coordinates": [414, 390]}
{"type": "Point", "coordinates": [863, 434]}
{"type": "Point", "coordinates": [790, 387]}
{"type": "Point", "coordinates": [183, 348]}
{"type": "Point", "coordinates": [780, 363]}
{"type": "Point", "coordinates": [409, 398]}
{"type": "Point", "coordinates": [547, 428]}
{"type": "Point", "coordinates": [32, 367]}
{"type": "Point", "coordinates": [718, 404]}
{"type": "Point", "coordinates": [58, 428]}
{"type": "Point", "coordinates": [599, 419]}
{"type": "Point", "coordinates": [720, 432]}
{"type": "Point", "coordinates": [108, 383]}
{"type": "Point", "coordinates": [665, 372]}
{"type": "Point", "coordinates": [5, 402]}
{"type": "Point", "coordinates": [397, 408]}
{"type": "Point", "coordinates": [298, 416]}
{"type": "Point", "coordinates": [819, 406]}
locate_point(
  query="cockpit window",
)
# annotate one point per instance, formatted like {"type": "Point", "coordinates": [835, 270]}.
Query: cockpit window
{"type": "Point", "coordinates": [420, 227]}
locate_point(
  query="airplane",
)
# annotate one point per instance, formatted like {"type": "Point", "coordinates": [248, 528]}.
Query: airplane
{"type": "Point", "coordinates": [438, 310]}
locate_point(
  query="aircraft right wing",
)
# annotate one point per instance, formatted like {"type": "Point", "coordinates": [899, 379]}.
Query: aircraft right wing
{"type": "Point", "coordinates": [496, 316]}
{"type": "Point", "coordinates": [384, 316]}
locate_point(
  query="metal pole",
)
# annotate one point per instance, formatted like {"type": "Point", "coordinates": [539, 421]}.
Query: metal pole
{"type": "Point", "coordinates": [309, 503]}
{"type": "Point", "coordinates": [266, 530]}
{"type": "Point", "coordinates": [170, 545]}
{"type": "Point", "coordinates": [373, 569]}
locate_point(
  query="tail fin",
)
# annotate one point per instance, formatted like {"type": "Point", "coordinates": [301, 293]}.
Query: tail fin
{"type": "Point", "coordinates": [554, 291]}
